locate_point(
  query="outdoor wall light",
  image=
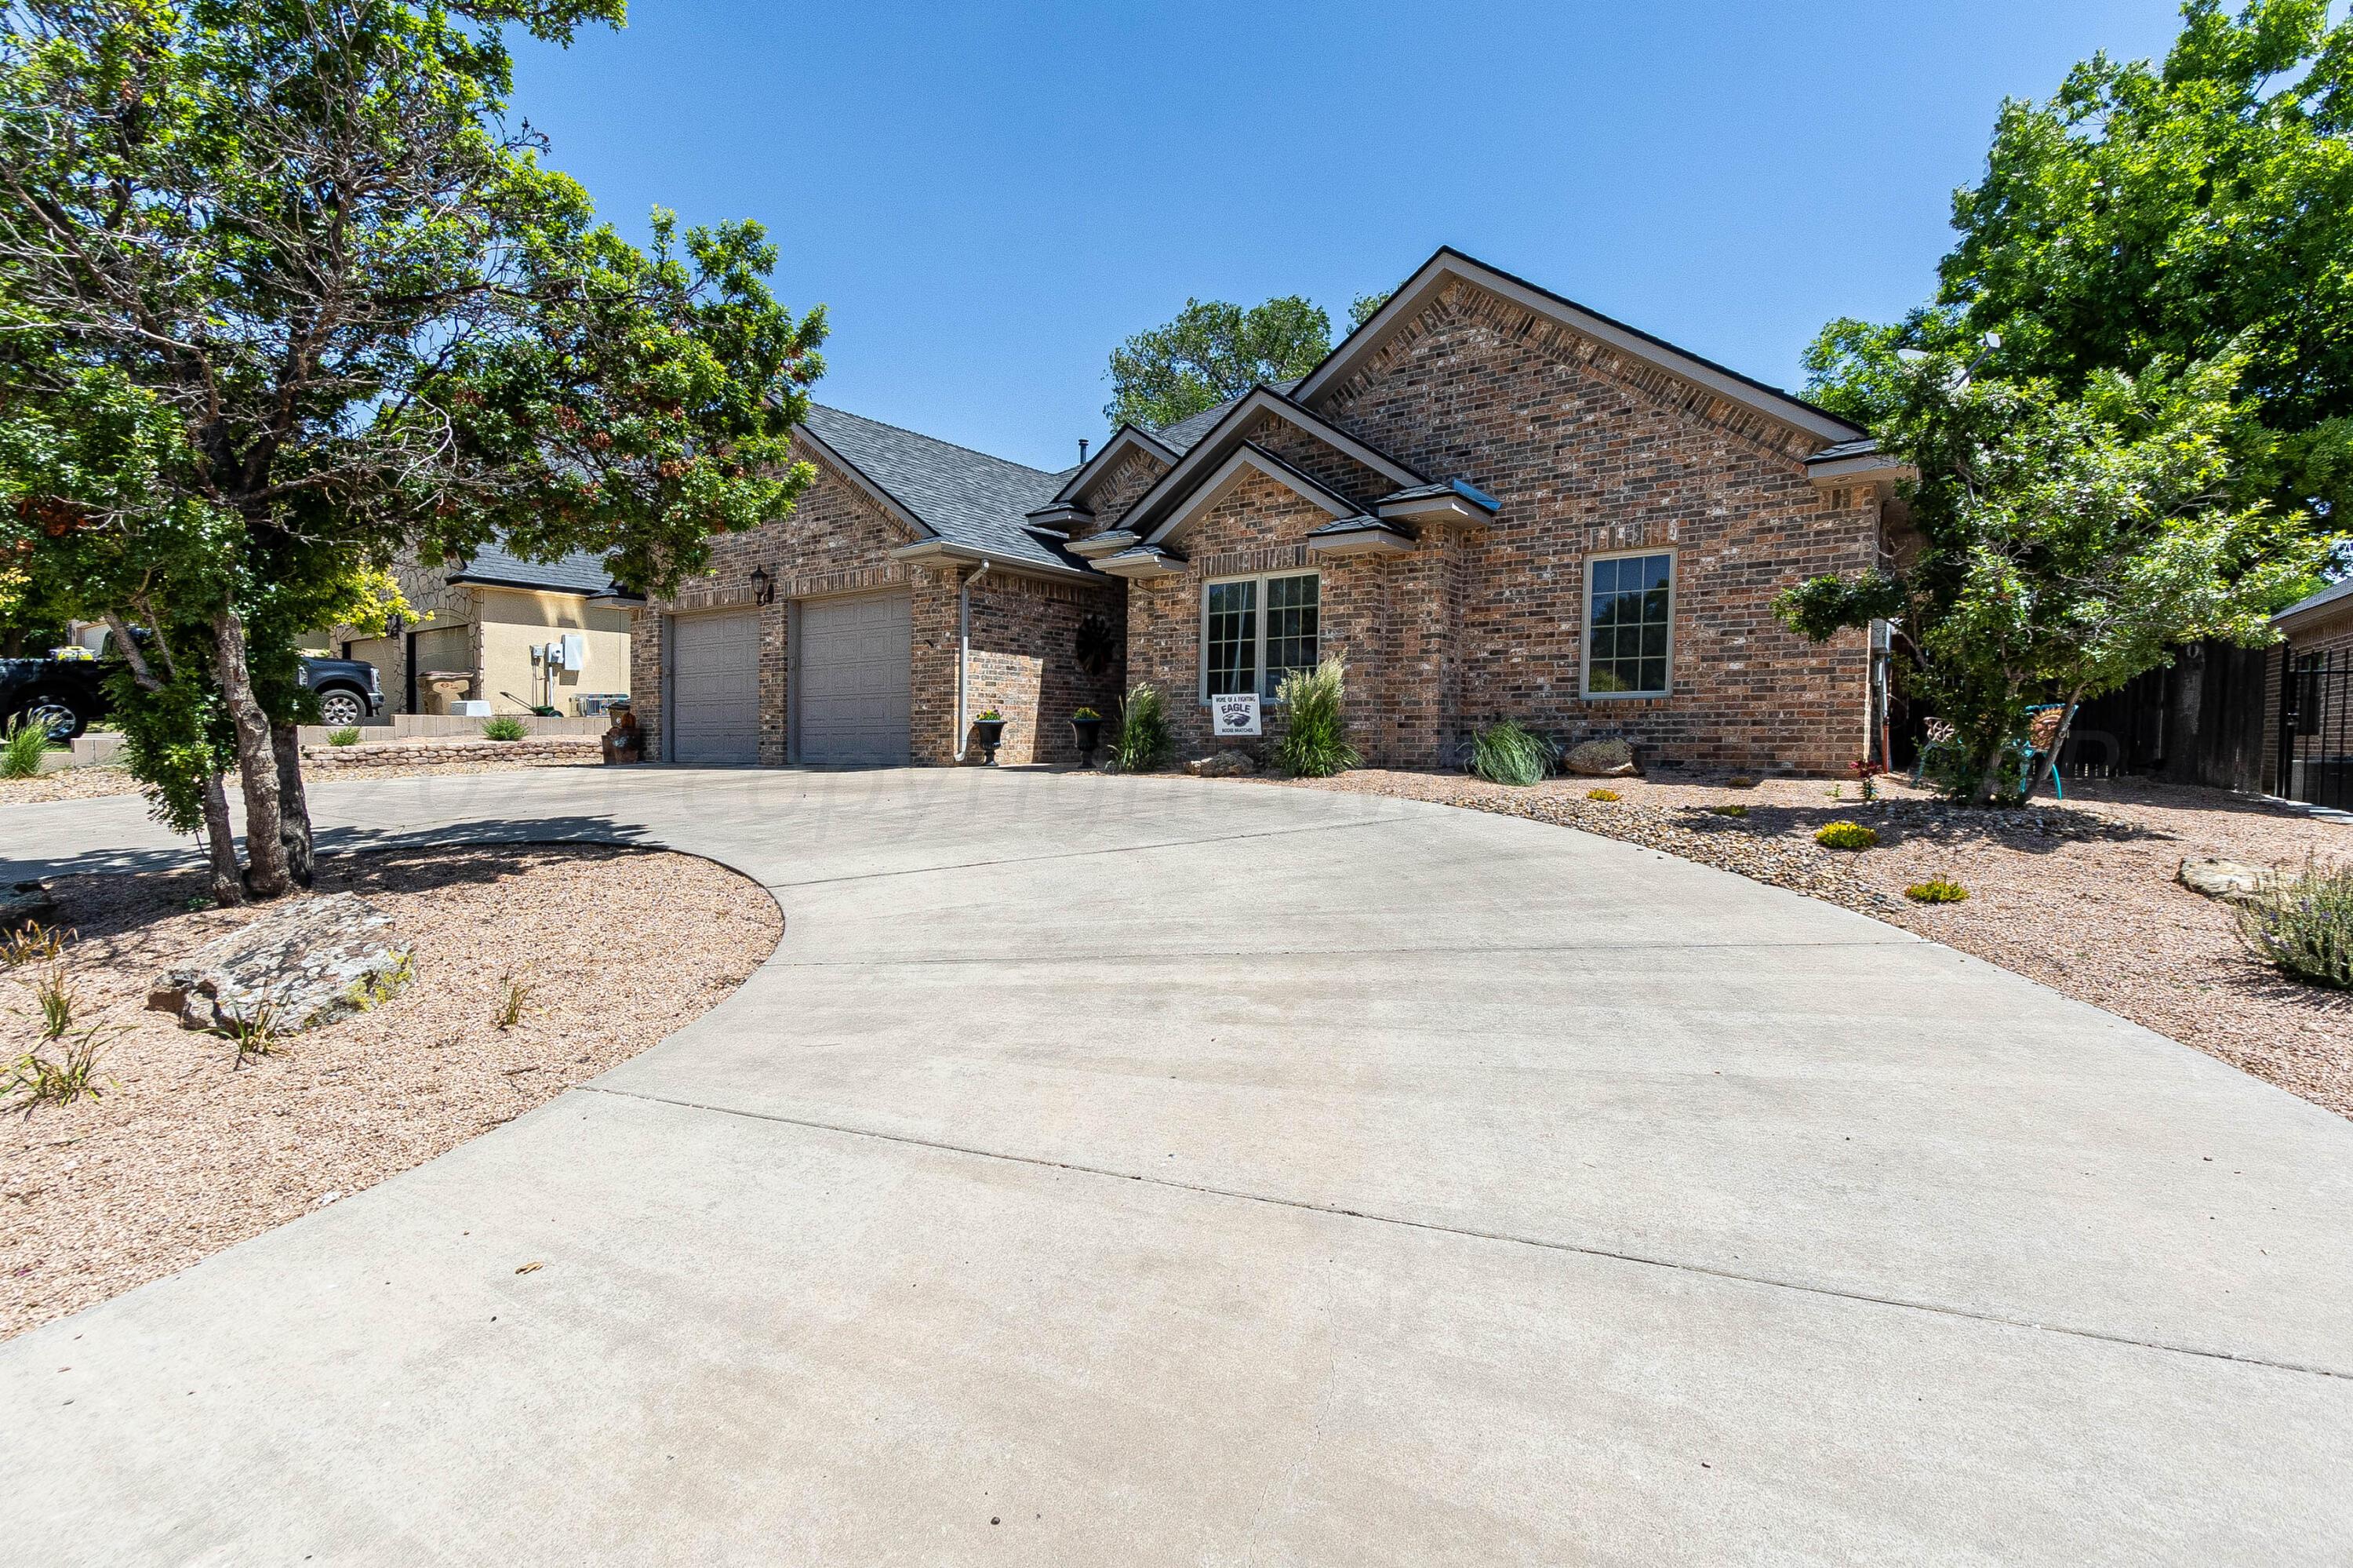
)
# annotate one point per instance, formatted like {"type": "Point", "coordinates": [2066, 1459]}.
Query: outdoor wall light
{"type": "Point", "coordinates": [764, 590]}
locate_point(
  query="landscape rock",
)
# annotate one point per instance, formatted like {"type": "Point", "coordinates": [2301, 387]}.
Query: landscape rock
{"type": "Point", "coordinates": [1600, 759]}
{"type": "Point", "coordinates": [2234, 880]}
{"type": "Point", "coordinates": [1231, 764]}
{"type": "Point", "coordinates": [27, 903]}
{"type": "Point", "coordinates": [304, 964]}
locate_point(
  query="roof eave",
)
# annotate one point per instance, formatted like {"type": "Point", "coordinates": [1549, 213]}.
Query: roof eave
{"type": "Point", "coordinates": [948, 552]}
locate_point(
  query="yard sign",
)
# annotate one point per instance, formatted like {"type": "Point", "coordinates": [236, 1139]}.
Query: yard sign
{"type": "Point", "coordinates": [1234, 714]}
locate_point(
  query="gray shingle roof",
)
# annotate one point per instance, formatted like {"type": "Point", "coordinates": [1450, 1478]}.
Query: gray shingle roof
{"type": "Point", "coordinates": [966, 497]}
{"type": "Point", "coordinates": [1845, 449]}
{"type": "Point", "coordinates": [2329, 595]}
{"type": "Point", "coordinates": [1185, 433]}
{"type": "Point", "coordinates": [582, 571]}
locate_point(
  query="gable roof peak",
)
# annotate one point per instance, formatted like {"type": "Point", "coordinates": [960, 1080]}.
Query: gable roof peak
{"type": "Point", "coordinates": [1449, 265]}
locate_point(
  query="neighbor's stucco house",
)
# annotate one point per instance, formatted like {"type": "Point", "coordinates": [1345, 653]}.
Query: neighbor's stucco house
{"type": "Point", "coordinates": [486, 619]}
{"type": "Point", "coordinates": [1488, 501]}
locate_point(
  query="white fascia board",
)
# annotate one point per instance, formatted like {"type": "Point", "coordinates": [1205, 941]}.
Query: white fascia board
{"type": "Point", "coordinates": [1109, 542]}
{"type": "Point", "coordinates": [937, 551]}
{"type": "Point", "coordinates": [1246, 459]}
{"type": "Point", "coordinates": [1865, 468]}
{"type": "Point", "coordinates": [1418, 290]}
{"type": "Point", "coordinates": [1142, 563]}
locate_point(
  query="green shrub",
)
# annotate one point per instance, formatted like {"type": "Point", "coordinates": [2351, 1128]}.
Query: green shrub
{"type": "Point", "coordinates": [506, 726]}
{"type": "Point", "coordinates": [1846, 836]}
{"type": "Point", "coordinates": [1314, 743]}
{"type": "Point", "coordinates": [1508, 752]}
{"type": "Point", "coordinates": [1601, 794]}
{"type": "Point", "coordinates": [1083, 714]}
{"type": "Point", "coordinates": [1142, 743]}
{"type": "Point", "coordinates": [2304, 927]}
{"type": "Point", "coordinates": [1729, 810]}
{"type": "Point", "coordinates": [23, 744]}
{"type": "Point", "coordinates": [1935, 890]}
{"type": "Point", "coordinates": [347, 736]}
{"type": "Point", "coordinates": [1740, 781]}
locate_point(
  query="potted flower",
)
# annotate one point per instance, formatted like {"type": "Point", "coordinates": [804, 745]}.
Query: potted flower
{"type": "Point", "coordinates": [1086, 728]}
{"type": "Point", "coordinates": [991, 725]}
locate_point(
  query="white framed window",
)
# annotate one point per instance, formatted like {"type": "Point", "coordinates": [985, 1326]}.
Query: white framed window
{"type": "Point", "coordinates": [1630, 618]}
{"type": "Point", "coordinates": [1255, 631]}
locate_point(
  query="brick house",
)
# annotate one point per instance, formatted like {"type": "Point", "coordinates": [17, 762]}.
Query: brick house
{"type": "Point", "coordinates": [1488, 501]}
{"type": "Point", "coordinates": [2307, 746]}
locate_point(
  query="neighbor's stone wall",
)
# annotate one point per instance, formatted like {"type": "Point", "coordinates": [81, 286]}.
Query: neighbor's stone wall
{"type": "Point", "coordinates": [1590, 451]}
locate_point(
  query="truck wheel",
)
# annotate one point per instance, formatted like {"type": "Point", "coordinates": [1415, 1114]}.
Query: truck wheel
{"type": "Point", "coordinates": [55, 714]}
{"type": "Point", "coordinates": [340, 707]}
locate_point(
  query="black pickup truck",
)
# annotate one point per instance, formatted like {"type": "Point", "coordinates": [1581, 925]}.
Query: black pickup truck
{"type": "Point", "coordinates": [68, 695]}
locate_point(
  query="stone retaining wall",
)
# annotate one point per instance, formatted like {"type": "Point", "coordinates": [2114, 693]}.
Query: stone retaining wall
{"type": "Point", "coordinates": [550, 748]}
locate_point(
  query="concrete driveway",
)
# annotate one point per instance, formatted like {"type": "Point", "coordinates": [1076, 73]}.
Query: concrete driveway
{"type": "Point", "coordinates": [1139, 1172]}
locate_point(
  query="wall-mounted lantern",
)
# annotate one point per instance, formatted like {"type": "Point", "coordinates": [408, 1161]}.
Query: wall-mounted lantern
{"type": "Point", "coordinates": [764, 588]}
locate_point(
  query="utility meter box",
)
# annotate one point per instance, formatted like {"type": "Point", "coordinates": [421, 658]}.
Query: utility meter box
{"type": "Point", "coordinates": [573, 651]}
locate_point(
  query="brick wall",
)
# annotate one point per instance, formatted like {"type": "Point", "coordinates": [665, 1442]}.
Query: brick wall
{"type": "Point", "coordinates": [2331, 632]}
{"type": "Point", "coordinates": [1112, 493]}
{"type": "Point", "coordinates": [1590, 451]}
{"type": "Point", "coordinates": [837, 541]}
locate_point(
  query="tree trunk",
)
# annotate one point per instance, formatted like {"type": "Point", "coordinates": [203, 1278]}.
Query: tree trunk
{"type": "Point", "coordinates": [220, 845]}
{"type": "Point", "coordinates": [2051, 759]}
{"type": "Point", "coordinates": [294, 806]}
{"type": "Point", "coordinates": [1989, 781]}
{"type": "Point", "coordinates": [257, 763]}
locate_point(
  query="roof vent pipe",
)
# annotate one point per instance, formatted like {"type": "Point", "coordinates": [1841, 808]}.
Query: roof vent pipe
{"type": "Point", "coordinates": [963, 656]}
{"type": "Point", "coordinates": [1082, 451]}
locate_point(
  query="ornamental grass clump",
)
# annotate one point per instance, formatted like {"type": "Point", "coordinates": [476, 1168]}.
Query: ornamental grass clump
{"type": "Point", "coordinates": [1846, 836]}
{"type": "Point", "coordinates": [506, 726]}
{"type": "Point", "coordinates": [1935, 890]}
{"type": "Point", "coordinates": [2304, 927]}
{"type": "Point", "coordinates": [23, 744]}
{"type": "Point", "coordinates": [1141, 743]}
{"type": "Point", "coordinates": [1314, 743]}
{"type": "Point", "coordinates": [347, 736]}
{"type": "Point", "coordinates": [1508, 752]}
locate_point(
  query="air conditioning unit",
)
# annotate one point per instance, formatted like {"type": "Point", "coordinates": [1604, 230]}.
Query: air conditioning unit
{"type": "Point", "coordinates": [589, 705]}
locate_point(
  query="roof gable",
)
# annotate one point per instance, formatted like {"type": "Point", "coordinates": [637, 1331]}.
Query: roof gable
{"type": "Point", "coordinates": [940, 489]}
{"type": "Point", "coordinates": [1207, 455]}
{"type": "Point", "coordinates": [1450, 266]}
{"type": "Point", "coordinates": [1245, 461]}
{"type": "Point", "coordinates": [1124, 442]}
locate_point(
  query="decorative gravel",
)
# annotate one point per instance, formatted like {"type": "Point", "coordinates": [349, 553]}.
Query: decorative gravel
{"type": "Point", "coordinates": [112, 778]}
{"type": "Point", "coordinates": [188, 1152]}
{"type": "Point", "coordinates": [2080, 896]}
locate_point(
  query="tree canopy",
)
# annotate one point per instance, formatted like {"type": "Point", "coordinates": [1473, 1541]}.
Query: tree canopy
{"type": "Point", "coordinates": [284, 294]}
{"type": "Point", "coordinates": [2163, 213]}
{"type": "Point", "coordinates": [1212, 352]}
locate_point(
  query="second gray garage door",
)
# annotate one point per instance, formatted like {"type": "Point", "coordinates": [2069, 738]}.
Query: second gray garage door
{"type": "Point", "coordinates": [850, 677]}
{"type": "Point", "coordinates": [714, 686]}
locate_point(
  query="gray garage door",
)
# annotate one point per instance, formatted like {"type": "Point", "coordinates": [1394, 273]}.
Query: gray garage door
{"type": "Point", "coordinates": [714, 687]}
{"type": "Point", "coordinates": [851, 676]}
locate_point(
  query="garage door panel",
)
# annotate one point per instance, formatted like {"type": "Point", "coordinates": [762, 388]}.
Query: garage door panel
{"type": "Point", "coordinates": [851, 678]}
{"type": "Point", "coordinates": [715, 688]}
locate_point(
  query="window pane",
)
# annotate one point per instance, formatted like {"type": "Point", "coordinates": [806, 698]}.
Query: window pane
{"type": "Point", "coordinates": [1630, 609]}
{"type": "Point", "coordinates": [1231, 638]}
{"type": "Point", "coordinates": [1293, 613]}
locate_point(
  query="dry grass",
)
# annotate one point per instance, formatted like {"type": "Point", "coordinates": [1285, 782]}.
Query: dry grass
{"type": "Point", "coordinates": [2080, 896]}
{"type": "Point", "coordinates": [187, 1153]}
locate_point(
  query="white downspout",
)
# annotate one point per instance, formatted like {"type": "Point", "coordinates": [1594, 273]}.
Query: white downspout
{"type": "Point", "coordinates": [964, 655]}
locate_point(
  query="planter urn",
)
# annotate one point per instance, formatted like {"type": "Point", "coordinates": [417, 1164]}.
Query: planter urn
{"type": "Point", "coordinates": [1088, 733]}
{"type": "Point", "coordinates": [991, 733]}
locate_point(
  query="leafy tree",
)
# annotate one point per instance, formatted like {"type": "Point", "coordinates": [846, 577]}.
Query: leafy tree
{"type": "Point", "coordinates": [2153, 215]}
{"type": "Point", "coordinates": [362, 317]}
{"type": "Point", "coordinates": [1213, 352]}
{"type": "Point", "coordinates": [1366, 306]}
{"type": "Point", "coordinates": [2067, 542]}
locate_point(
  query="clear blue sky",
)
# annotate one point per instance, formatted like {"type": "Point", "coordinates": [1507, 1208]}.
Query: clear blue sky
{"type": "Point", "coordinates": [988, 199]}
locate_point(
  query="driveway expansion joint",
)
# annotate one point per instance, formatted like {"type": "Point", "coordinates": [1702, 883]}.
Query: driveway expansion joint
{"type": "Point", "coordinates": [1936, 1309]}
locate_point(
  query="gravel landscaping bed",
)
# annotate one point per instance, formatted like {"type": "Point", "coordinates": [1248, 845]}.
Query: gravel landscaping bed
{"type": "Point", "coordinates": [111, 778]}
{"type": "Point", "coordinates": [2081, 896]}
{"type": "Point", "coordinates": [188, 1152]}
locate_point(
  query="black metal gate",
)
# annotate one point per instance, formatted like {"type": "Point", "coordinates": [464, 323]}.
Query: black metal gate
{"type": "Point", "coordinates": [2316, 747]}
